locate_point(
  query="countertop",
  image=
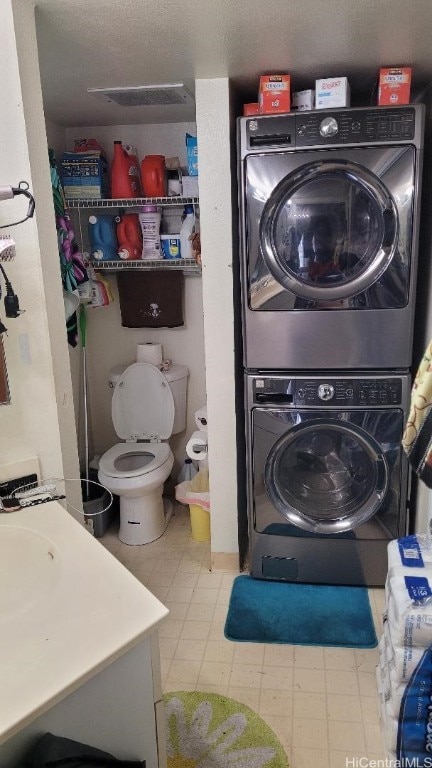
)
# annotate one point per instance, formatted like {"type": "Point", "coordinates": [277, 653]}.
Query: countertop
{"type": "Point", "coordinates": [68, 608]}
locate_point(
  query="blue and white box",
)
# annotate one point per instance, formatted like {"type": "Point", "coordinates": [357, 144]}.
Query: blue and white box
{"type": "Point", "coordinates": [192, 154]}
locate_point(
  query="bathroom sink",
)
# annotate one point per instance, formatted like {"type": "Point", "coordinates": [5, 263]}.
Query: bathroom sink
{"type": "Point", "coordinates": [29, 569]}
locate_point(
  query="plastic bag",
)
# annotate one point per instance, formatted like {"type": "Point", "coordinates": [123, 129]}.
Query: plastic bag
{"type": "Point", "coordinates": [195, 491]}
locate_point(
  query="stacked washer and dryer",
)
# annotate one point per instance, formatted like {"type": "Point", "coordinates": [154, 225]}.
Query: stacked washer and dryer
{"type": "Point", "coordinates": [329, 210]}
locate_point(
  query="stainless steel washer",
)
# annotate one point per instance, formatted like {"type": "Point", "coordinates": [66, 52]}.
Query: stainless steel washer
{"type": "Point", "coordinates": [327, 477]}
{"type": "Point", "coordinates": [329, 229]}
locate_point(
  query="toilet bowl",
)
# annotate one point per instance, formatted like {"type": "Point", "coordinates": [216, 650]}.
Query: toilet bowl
{"type": "Point", "coordinates": [145, 414]}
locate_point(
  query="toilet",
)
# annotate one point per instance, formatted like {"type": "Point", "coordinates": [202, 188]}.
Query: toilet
{"type": "Point", "coordinates": [147, 407]}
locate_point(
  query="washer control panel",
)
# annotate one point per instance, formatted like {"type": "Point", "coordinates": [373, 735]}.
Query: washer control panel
{"type": "Point", "coordinates": [327, 391]}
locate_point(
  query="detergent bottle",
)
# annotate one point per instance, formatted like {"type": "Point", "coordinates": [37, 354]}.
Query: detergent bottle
{"type": "Point", "coordinates": [129, 236]}
{"type": "Point", "coordinates": [154, 176]}
{"type": "Point", "coordinates": [134, 169]}
{"type": "Point", "coordinates": [124, 178]}
{"type": "Point", "coordinates": [102, 237]}
{"type": "Point", "coordinates": [186, 230]}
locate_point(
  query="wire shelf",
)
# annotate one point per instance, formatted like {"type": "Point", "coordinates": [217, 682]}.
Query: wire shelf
{"type": "Point", "coordinates": [132, 202]}
{"type": "Point", "coordinates": [187, 265]}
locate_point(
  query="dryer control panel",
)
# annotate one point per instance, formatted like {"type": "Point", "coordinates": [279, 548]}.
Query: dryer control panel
{"type": "Point", "coordinates": [325, 391]}
{"type": "Point", "coordinates": [324, 127]}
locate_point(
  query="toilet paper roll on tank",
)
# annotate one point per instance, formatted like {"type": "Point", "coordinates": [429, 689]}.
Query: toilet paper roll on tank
{"type": "Point", "coordinates": [196, 447]}
{"type": "Point", "coordinates": [149, 352]}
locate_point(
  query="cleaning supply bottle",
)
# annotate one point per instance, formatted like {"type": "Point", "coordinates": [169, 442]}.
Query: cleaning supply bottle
{"type": "Point", "coordinates": [129, 236]}
{"type": "Point", "coordinates": [186, 231]}
{"type": "Point", "coordinates": [124, 179]}
{"type": "Point", "coordinates": [102, 237]}
{"type": "Point", "coordinates": [150, 221]}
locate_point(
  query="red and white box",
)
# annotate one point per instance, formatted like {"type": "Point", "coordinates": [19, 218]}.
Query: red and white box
{"type": "Point", "coordinates": [394, 86]}
{"type": "Point", "coordinates": [274, 94]}
{"type": "Point", "coordinates": [252, 108]}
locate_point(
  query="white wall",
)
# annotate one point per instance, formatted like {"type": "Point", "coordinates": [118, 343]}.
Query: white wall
{"type": "Point", "coordinates": [213, 130]}
{"type": "Point", "coordinates": [108, 343]}
{"type": "Point", "coordinates": [40, 419]}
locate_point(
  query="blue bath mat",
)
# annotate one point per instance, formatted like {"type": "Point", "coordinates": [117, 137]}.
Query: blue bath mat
{"type": "Point", "coordinates": [299, 614]}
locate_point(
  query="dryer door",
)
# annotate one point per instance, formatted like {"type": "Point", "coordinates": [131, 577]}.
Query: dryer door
{"type": "Point", "coordinates": [325, 227]}
{"type": "Point", "coordinates": [329, 230]}
{"type": "Point", "coordinates": [326, 475]}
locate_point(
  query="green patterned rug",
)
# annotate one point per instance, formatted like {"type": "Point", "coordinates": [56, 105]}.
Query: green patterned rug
{"type": "Point", "coordinates": [205, 730]}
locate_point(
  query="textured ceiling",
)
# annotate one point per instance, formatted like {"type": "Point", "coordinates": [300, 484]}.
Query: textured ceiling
{"type": "Point", "coordinates": [99, 43]}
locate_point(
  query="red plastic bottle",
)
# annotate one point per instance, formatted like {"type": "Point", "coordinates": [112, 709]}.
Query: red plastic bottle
{"type": "Point", "coordinates": [129, 236]}
{"type": "Point", "coordinates": [124, 179]}
{"type": "Point", "coordinates": [154, 176]}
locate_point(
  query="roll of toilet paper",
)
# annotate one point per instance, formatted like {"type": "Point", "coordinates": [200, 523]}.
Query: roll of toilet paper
{"type": "Point", "coordinates": [149, 352]}
{"type": "Point", "coordinates": [196, 447]}
{"type": "Point", "coordinates": [201, 418]}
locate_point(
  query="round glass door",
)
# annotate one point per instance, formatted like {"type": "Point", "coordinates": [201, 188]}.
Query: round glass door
{"type": "Point", "coordinates": [329, 230]}
{"type": "Point", "coordinates": [326, 477]}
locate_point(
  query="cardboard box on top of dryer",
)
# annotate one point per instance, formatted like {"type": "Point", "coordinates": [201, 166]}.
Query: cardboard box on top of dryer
{"type": "Point", "coordinates": [332, 92]}
{"type": "Point", "coordinates": [303, 100]}
{"type": "Point", "coordinates": [274, 94]}
{"type": "Point", "coordinates": [394, 85]}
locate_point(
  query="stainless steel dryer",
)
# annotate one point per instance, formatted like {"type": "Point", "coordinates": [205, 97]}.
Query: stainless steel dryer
{"type": "Point", "coordinates": [329, 227]}
{"type": "Point", "coordinates": [326, 475]}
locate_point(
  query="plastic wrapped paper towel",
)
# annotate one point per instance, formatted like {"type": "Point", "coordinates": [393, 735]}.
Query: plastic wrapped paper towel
{"type": "Point", "coordinates": [410, 624]}
{"type": "Point", "coordinates": [410, 553]}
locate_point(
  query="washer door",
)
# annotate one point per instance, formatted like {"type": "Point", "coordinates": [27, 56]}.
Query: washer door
{"type": "Point", "coordinates": [326, 476]}
{"type": "Point", "coordinates": [329, 230]}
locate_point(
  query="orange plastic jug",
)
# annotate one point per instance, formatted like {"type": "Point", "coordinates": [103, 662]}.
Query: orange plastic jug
{"type": "Point", "coordinates": [129, 236]}
{"type": "Point", "coordinates": [154, 176]}
{"type": "Point", "coordinates": [124, 174]}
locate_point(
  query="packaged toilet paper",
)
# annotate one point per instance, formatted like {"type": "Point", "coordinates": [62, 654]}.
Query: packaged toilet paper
{"type": "Point", "coordinates": [410, 553]}
{"type": "Point", "coordinates": [414, 739]}
{"type": "Point", "coordinates": [409, 611]}
{"type": "Point", "coordinates": [401, 661]}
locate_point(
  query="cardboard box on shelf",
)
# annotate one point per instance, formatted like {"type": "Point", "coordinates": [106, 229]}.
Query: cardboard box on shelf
{"type": "Point", "coordinates": [303, 100]}
{"type": "Point", "coordinates": [332, 92]}
{"type": "Point", "coordinates": [394, 85]}
{"type": "Point", "coordinates": [84, 175]}
{"type": "Point", "coordinates": [251, 109]}
{"type": "Point", "coordinates": [274, 94]}
{"type": "Point", "coordinates": [192, 154]}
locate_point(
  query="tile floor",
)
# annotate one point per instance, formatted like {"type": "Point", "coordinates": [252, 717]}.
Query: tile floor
{"type": "Point", "coordinates": [320, 702]}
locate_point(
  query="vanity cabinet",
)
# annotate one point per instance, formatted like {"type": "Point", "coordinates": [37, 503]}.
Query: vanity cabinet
{"type": "Point", "coordinates": [80, 660]}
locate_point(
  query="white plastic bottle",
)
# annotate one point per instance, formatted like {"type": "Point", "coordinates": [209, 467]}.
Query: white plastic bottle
{"type": "Point", "coordinates": [186, 230]}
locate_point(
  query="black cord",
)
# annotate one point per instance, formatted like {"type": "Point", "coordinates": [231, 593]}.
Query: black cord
{"type": "Point", "coordinates": [22, 189]}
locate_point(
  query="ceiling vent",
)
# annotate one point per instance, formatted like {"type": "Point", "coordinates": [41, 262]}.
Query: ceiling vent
{"type": "Point", "coordinates": [145, 95]}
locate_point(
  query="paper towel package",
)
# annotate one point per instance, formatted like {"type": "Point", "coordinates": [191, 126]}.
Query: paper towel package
{"type": "Point", "coordinates": [409, 625]}
{"type": "Point", "coordinates": [408, 553]}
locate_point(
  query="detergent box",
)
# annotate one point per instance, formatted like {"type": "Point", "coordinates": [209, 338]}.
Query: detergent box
{"type": "Point", "coordinates": [84, 175]}
{"type": "Point", "coordinates": [192, 154]}
{"type": "Point", "coordinates": [303, 100]}
{"type": "Point", "coordinates": [394, 86]}
{"type": "Point", "coordinates": [274, 94]}
{"type": "Point", "coordinates": [332, 92]}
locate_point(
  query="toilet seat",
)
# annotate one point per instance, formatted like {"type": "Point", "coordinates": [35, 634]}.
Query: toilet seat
{"type": "Point", "coordinates": [123, 460]}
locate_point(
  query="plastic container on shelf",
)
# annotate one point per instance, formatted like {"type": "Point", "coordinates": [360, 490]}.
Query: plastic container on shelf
{"type": "Point", "coordinates": [186, 231]}
{"type": "Point", "coordinates": [125, 180]}
{"type": "Point", "coordinates": [129, 236]}
{"type": "Point", "coordinates": [154, 176]}
{"type": "Point", "coordinates": [150, 221]}
{"type": "Point", "coordinates": [102, 237]}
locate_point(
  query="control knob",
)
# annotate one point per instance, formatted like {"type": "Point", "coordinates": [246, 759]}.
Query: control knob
{"type": "Point", "coordinates": [326, 391]}
{"type": "Point", "coordinates": [328, 127]}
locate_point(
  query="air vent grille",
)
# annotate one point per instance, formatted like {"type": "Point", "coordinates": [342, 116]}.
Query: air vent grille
{"type": "Point", "coordinates": [145, 95]}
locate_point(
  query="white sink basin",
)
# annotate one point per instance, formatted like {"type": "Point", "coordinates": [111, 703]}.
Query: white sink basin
{"type": "Point", "coordinates": [29, 569]}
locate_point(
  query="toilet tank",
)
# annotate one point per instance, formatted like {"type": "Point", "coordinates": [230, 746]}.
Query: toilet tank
{"type": "Point", "coordinates": [177, 379]}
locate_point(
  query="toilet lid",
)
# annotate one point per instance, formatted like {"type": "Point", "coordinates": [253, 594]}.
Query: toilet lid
{"type": "Point", "coordinates": [143, 404]}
